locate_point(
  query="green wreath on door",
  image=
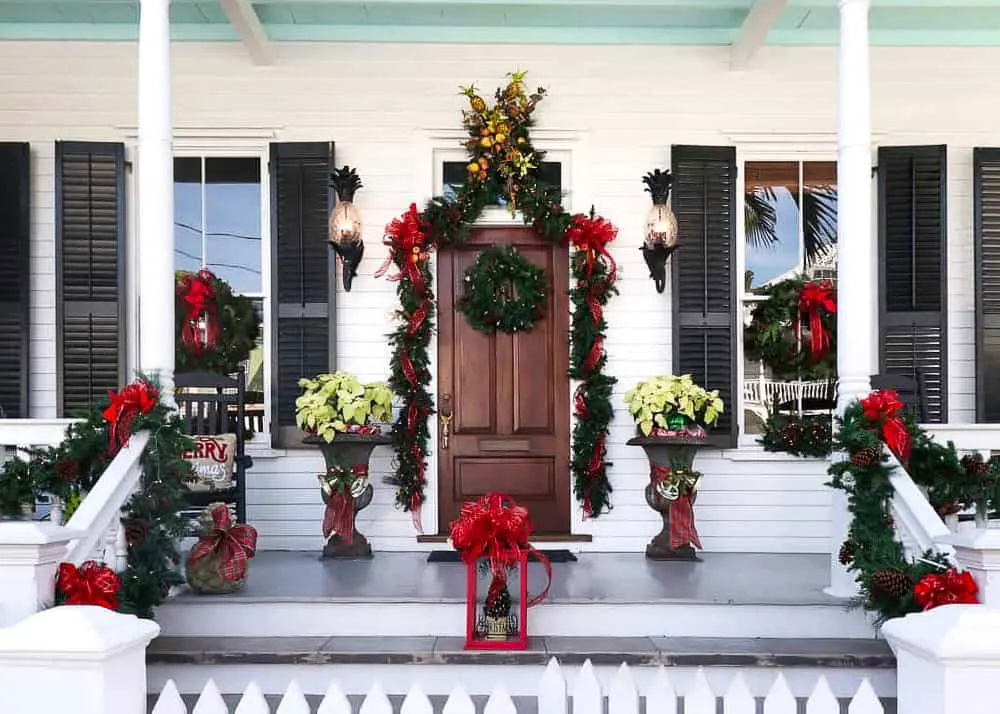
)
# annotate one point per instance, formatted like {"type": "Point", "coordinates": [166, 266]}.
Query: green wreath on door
{"type": "Point", "coordinates": [504, 291]}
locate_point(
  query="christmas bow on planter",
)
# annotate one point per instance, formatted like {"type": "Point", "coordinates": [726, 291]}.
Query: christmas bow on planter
{"type": "Point", "coordinates": [882, 408]}
{"type": "Point", "coordinates": [339, 515]}
{"type": "Point", "coordinates": [496, 528]}
{"type": "Point", "coordinates": [90, 584]}
{"type": "Point", "coordinates": [232, 545]}
{"type": "Point", "coordinates": [814, 300]}
{"type": "Point", "coordinates": [198, 297]}
{"type": "Point", "coordinates": [682, 530]}
{"type": "Point", "coordinates": [140, 397]}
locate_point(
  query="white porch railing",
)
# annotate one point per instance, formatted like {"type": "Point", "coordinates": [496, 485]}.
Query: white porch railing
{"type": "Point", "coordinates": [99, 514]}
{"type": "Point", "coordinates": [553, 696]}
{"type": "Point", "coordinates": [761, 392]}
{"type": "Point", "coordinates": [917, 523]}
{"type": "Point", "coordinates": [21, 433]}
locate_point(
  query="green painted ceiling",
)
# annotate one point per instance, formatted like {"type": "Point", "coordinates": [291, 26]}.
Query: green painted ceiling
{"type": "Point", "coordinates": [803, 22]}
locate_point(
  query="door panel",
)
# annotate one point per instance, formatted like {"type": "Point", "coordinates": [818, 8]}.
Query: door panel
{"type": "Point", "coordinates": [509, 394]}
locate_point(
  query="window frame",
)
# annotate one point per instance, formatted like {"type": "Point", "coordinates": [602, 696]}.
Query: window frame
{"type": "Point", "coordinates": [743, 157]}
{"type": "Point", "coordinates": [563, 157]}
{"type": "Point", "coordinates": [261, 152]}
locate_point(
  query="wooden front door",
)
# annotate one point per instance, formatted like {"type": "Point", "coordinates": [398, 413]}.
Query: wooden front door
{"type": "Point", "coordinates": [508, 393]}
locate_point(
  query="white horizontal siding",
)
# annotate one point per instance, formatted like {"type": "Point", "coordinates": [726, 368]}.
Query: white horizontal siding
{"type": "Point", "coordinates": [622, 106]}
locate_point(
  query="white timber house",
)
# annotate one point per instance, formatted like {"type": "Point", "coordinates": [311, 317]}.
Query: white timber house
{"type": "Point", "coordinates": [140, 138]}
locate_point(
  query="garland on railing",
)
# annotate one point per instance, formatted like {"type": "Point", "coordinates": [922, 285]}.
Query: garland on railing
{"type": "Point", "coordinates": [503, 166]}
{"type": "Point", "coordinates": [151, 517]}
{"type": "Point", "coordinates": [888, 580]}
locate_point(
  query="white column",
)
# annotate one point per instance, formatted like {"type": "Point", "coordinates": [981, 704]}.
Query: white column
{"type": "Point", "coordinates": [978, 551]}
{"type": "Point", "coordinates": [156, 197]}
{"type": "Point", "coordinates": [856, 295]}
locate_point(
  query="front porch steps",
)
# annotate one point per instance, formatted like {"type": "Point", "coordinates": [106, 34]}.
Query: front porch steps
{"type": "Point", "coordinates": [612, 651]}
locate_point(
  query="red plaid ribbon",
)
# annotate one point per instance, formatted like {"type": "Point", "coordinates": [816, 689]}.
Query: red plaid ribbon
{"type": "Point", "coordinates": [90, 584]}
{"type": "Point", "coordinates": [339, 515]}
{"type": "Point", "coordinates": [232, 545]}
{"type": "Point", "coordinates": [682, 530]}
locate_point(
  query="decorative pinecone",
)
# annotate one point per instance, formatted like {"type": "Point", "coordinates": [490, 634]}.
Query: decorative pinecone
{"type": "Point", "coordinates": [136, 530]}
{"type": "Point", "coordinates": [500, 604]}
{"type": "Point", "coordinates": [869, 456]}
{"type": "Point", "coordinates": [892, 582]}
{"type": "Point", "coordinates": [974, 464]}
{"type": "Point", "coordinates": [890, 522]}
{"type": "Point", "coordinates": [68, 470]}
{"type": "Point", "coordinates": [847, 552]}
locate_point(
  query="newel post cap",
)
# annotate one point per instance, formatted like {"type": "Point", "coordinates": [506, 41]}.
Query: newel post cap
{"type": "Point", "coordinates": [75, 632]}
{"type": "Point", "coordinates": [961, 634]}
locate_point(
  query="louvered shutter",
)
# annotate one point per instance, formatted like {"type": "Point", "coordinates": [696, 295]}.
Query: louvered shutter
{"type": "Point", "coordinates": [913, 261]}
{"type": "Point", "coordinates": [15, 278]}
{"type": "Point", "coordinates": [90, 272]}
{"type": "Point", "coordinates": [302, 273]}
{"type": "Point", "coordinates": [704, 275]}
{"type": "Point", "coordinates": [986, 220]}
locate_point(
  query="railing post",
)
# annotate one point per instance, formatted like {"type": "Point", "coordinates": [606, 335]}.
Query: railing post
{"type": "Point", "coordinates": [30, 553]}
{"type": "Point", "coordinates": [947, 660]}
{"type": "Point", "coordinates": [79, 659]}
{"type": "Point", "coordinates": [978, 551]}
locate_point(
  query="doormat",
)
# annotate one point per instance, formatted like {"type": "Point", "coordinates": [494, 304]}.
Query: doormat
{"type": "Point", "coordinates": [451, 556]}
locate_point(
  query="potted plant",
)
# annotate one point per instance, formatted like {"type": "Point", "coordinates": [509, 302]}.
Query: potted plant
{"type": "Point", "coordinates": [671, 413]}
{"type": "Point", "coordinates": [342, 416]}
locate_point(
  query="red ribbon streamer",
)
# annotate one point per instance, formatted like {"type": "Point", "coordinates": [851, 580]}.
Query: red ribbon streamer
{"type": "Point", "coordinates": [681, 513]}
{"type": "Point", "coordinates": [882, 407]}
{"type": "Point", "coordinates": [232, 545]}
{"type": "Point", "coordinates": [813, 298]}
{"type": "Point", "coordinates": [198, 296]}
{"type": "Point", "coordinates": [496, 528]}
{"type": "Point", "coordinates": [140, 397]}
{"type": "Point", "coordinates": [90, 584]}
{"type": "Point", "coordinates": [339, 515]}
{"type": "Point", "coordinates": [948, 588]}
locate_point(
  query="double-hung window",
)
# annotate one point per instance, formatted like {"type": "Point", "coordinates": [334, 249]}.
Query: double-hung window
{"type": "Point", "coordinates": [790, 229]}
{"type": "Point", "coordinates": [219, 224]}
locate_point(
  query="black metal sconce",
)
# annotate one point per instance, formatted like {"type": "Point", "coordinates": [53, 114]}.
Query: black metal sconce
{"type": "Point", "coordinates": [345, 223]}
{"type": "Point", "coordinates": [661, 227]}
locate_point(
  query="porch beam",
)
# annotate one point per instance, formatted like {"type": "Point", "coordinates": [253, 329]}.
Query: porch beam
{"type": "Point", "coordinates": [856, 265]}
{"type": "Point", "coordinates": [156, 198]}
{"type": "Point", "coordinates": [753, 33]}
{"type": "Point", "coordinates": [248, 27]}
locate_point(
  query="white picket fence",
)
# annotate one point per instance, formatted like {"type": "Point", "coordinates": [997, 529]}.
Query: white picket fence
{"type": "Point", "coordinates": [553, 696]}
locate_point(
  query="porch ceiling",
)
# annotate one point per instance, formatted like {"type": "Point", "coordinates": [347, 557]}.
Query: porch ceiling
{"type": "Point", "coordinates": [716, 22]}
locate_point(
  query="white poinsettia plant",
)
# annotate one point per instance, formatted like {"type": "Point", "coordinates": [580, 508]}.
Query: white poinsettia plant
{"type": "Point", "coordinates": [340, 402]}
{"type": "Point", "coordinates": [654, 401]}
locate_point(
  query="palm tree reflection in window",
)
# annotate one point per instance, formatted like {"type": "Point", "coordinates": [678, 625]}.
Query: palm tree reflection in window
{"type": "Point", "coordinates": [777, 246]}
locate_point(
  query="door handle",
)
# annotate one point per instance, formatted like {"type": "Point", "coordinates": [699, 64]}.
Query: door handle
{"type": "Point", "coordinates": [445, 414]}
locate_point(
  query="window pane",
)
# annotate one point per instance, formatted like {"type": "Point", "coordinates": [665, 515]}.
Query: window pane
{"type": "Point", "coordinates": [454, 173]}
{"type": "Point", "coordinates": [819, 218]}
{"type": "Point", "coordinates": [254, 367]}
{"type": "Point", "coordinates": [232, 219]}
{"type": "Point", "coordinates": [771, 221]}
{"type": "Point", "coordinates": [756, 383]}
{"type": "Point", "coordinates": [187, 214]}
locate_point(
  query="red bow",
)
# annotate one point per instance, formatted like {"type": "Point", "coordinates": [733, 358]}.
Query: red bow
{"type": "Point", "coordinates": [948, 588]}
{"type": "Point", "coordinates": [496, 528]}
{"type": "Point", "coordinates": [813, 298]}
{"type": "Point", "coordinates": [140, 397]}
{"type": "Point", "coordinates": [339, 515]}
{"type": "Point", "coordinates": [882, 407]}
{"type": "Point", "coordinates": [90, 584]}
{"type": "Point", "coordinates": [198, 296]}
{"type": "Point", "coordinates": [593, 235]}
{"type": "Point", "coordinates": [406, 237]}
{"type": "Point", "coordinates": [681, 514]}
{"type": "Point", "coordinates": [232, 545]}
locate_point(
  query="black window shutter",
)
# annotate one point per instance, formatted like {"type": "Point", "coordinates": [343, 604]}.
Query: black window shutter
{"type": "Point", "coordinates": [303, 289]}
{"type": "Point", "coordinates": [913, 270]}
{"type": "Point", "coordinates": [90, 272]}
{"type": "Point", "coordinates": [15, 278]}
{"type": "Point", "coordinates": [704, 300]}
{"type": "Point", "coordinates": [986, 222]}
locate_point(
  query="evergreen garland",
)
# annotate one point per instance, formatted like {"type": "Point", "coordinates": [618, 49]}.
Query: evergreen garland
{"type": "Point", "coordinates": [806, 435]}
{"type": "Point", "coordinates": [872, 550]}
{"type": "Point", "coordinates": [502, 169]}
{"type": "Point", "coordinates": [503, 291]}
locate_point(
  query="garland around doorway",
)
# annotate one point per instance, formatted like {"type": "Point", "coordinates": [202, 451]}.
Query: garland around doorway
{"type": "Point", "coordinates": [503, 167]}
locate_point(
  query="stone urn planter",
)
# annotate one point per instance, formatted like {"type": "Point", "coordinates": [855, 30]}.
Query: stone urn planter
{"type": "Point", "coordinates": [350, 453]}
{"type": "Point", "coordinates": [671, 492]}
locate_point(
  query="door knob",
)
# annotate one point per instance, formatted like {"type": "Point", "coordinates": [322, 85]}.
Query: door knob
{"type": "Point", "coordinates": [445, 414]}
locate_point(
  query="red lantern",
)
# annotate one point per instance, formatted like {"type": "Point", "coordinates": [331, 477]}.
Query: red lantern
{"type": "Point", "coordinates": [491, 535]}
{"type": "Point", "coordinates": [496, 606]}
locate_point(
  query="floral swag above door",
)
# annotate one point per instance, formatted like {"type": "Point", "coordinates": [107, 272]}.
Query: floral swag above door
{"type": "Point", "coordinates": [503, 166]}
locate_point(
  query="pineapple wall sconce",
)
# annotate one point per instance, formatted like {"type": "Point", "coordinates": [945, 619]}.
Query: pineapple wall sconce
{"type": "Point", "coordinates": [661, 227]}
{"type": "Point", "coordinates": [345, 223]}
